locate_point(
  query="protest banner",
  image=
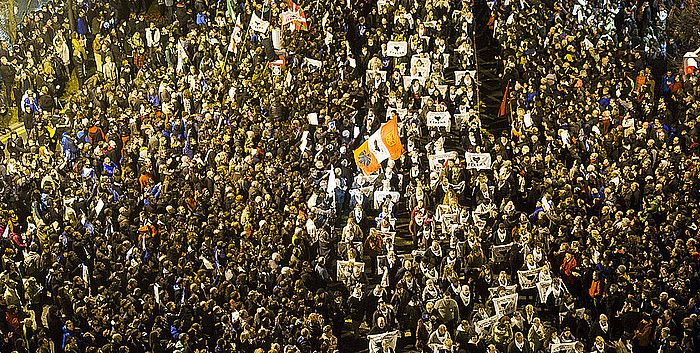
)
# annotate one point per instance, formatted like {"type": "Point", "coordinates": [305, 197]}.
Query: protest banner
{"type": "Point", "coordinates": [493, 291]}
{"type": "Point", "coordinates": [438, 119]}
{"type": "Point", "coordinates": [438, 161]}
{"type": "Point", "coordinates": [383, 262]}
{"type": "Point", "coordinates": [313, 63]}
{"type": "Point", "coordinates": [459, 76]}
{"type": "Point", "coordinates": [506, 304]}
{"type": "Point", "coordinates": [371, 74]}
{"type": "Point", "coordinates": [378, 341]}
{"type": "Point", "coordinates": [542, 289]}
{"type": "Point", "coordinates": [346, 270]}
{"type": "Point", "coordinates": [257, 24]}
{"type": "Point", "coordinates": [528, 278]}
{"type": "Point", "coordinates": [396, 49]}
{"type": "Point", "coordinates": [386, 236]}
{"type": "Point", "coordinates": [408, 81]}
{"type": "Point", "coordinates": [569, 347]}
{"type": "Point", "coordinates": [379, 197]}
{"type": "Point", "coordinates": [499, 253]}
{"type": "Point", "coordinates": [420, 66]}
{"type": "Point", "coordinates": [483, 327]}
{"type": "Point", "coordinates": [477, 160]}
{"type": "Point", "coordinates": [402, 113]}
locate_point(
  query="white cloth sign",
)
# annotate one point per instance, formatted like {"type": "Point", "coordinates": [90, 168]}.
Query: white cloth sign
{"type": "Point", "coordinates": [402, 113]}
{"type": "Point", "coordinates": [377, 342]}
{"type": "Point", "coordinates": [313, 118]}
{"type": "Point", "coordinates": [459, 75]}
{"type": "Point", "coordinates": [437, 161]}
{"type": "Point", "coordinates": [313, 62]}
{"type": "Point", "coordinates": [528, 278]}
{"type": "Point", "coordinates": [347, 270]}
{"type": "Point", "coordinates": [257, 24]}
{"type": "Point", "coordinates": [506, 304]}
{"type": "Point", "coordinates": [276, 35]}
{"type": "Point", "coordinates": [542, 289]}
{"type": "Point", "coordinates": [477, 160]}
{"type": "Point", "coordinates": [438, 119]}
{"type": "Point", "coordinates": [493, 291]}
{"type": "Point", "coordinates": [568, 347]}
{"type": "Point", "coordinates": [483, 327]}
{"type": "Point", "coordinates": [379, 197]}
{"type": "Point", "coordinates": [396, 49]}
{"type": "Point", "coordinates": [420, 66]}
{"type": "Point", "coordinates": [499, 253]}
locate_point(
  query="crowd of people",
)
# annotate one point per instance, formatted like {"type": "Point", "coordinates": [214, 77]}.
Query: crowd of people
{"type": "Point", "coordinates": [199, 192]}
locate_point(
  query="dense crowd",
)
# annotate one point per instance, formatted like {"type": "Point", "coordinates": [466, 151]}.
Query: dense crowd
{"type": "Point", "coordinates": [198, 192]}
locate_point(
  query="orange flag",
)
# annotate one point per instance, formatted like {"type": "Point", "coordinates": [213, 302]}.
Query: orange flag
{"type": "Point", "coordinates": [390, 136]}
{"type": "Point", "coordinates": [365, 159]}
{"type": "Point", "coordinates": [381, 145]}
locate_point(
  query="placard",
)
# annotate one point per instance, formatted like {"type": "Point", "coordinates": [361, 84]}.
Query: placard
{"type": "Point", "coordinates": [438, 119]}
{"type": "Point", "coordinates": [506, 304]}
{"type": "Point", "coordinates": [499, 253]}
{"type": "Point", "coordinates": [459, 76]}
{"type": "Point", "coordinates": [477, 160]}
{"type": "Point", "coordinates": [493, 291]}
{"type": "Point", "coordinates": [569, 347]}
{"type": "Point", "coordinates": [483, 327]}
{"type": "Point", "coordinates": [402, 113]}
{"type": "Point", "coordinates": [396, 49]}
{"type": "Point", "coordinates": [437, 161]}
{"type": "Point", "coordinates": [344, 246]}
{"type": "Point", "coordinates": [542, 289]}
{"type": "Point", "coordinates": [528, 278]}
{"type": "Point", "coordinates": [257, 24]}
{"type": "Point", "coordinates": [408, 81]}
{"type": "Point", "coordinates": [420, 66]}
{"type": "Point", "coordinates": [379, 197]}
{"type": "Point", "coordinates": [377, 342]}
{"type": "Point", "coordinates": [369, 76]}
{"type": "Point", "coordinates": [313, 62]}
{"type": "Point", "coordinates": [349, 270]}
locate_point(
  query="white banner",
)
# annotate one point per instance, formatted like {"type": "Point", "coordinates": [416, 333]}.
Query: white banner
{"type": "Point", "coordinates": [437, 161]}
{"type": "Point", "coordinates": [542, 288]}
{"type": "Point", "coordinates": [402, 113]}
{"type": "Point", "coordinates": [346, 270]}
{"type": "Point", "coordinates": [569, 347]}
{"type": "Point", "coordinates": [493, 291]}
{"type": "Point", "coordinates": [396, 49]}
{"type": "Point", "coordinates": [408, 81]}
{"type": "Point", "coordinates": [528, 278]}
{"type": "Point", "coordinates": [420, 66]}
{"type": "Point", "coordinates": [483, 327]}
{"type": "Point", "coordinates": [499, 253]}
{"type": "Point", "coordinates": [506, 304]}
{"type": "Point", "coordinates": [370, 75]}
{"type": "Point", "coordinates": [459, 76]}
{"type": "Point", "coordinates": [379, 197]}
{"type": "Point", "coordinates": [288, 17]}
{"type": "Point", "coordinates": [477, 160]}
{"type": "Point", "coordinates": [377, 342]}
{"type": "Point", "coordinates": [438, 119]}
{"type": "Point", "coordinates": [313, 62]}
{"type": "Point", "coordinates": [257, 24]}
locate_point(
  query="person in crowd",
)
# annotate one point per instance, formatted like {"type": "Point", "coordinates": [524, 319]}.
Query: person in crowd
{"type": "Point", "coordinates": [206, 195]}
